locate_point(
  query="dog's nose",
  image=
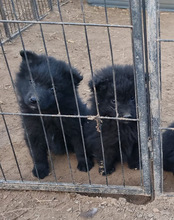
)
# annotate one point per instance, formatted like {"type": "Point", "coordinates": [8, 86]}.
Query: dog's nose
{"type": "Point", "coordinates": [127, 116]}
{"type": "Point", "coordinates": [32, 100]}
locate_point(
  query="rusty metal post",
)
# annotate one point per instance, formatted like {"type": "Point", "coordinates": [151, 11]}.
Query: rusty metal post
{"type": "Point", "coordinates": [3, 15]}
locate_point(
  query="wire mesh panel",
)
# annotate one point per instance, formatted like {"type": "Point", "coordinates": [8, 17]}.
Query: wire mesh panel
{"type": "Point", "coordinates": [77, 131]}
{"type": "Point", "coordinates": [24, 11]}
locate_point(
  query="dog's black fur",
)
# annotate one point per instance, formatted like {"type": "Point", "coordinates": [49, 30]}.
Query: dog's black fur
{"type": "Point", "coordinates": [168, 149]}
{"type": "Point", "coordinates": [103, 81]}
{"type": "Point", "coordinates": [43, 94]}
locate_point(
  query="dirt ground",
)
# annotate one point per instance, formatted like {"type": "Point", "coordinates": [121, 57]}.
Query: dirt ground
{"type": "Point", "coordinates": [70, 206]}
{"type": "Point", "coordinates": [44, 205]}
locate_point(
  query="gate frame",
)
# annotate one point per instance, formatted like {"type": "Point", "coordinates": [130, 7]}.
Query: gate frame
{"type": "Point", "coordinates": [138, 58]}
{"type": "Point", "coordinates": [155, 95]}
{"type": "Point", "coordinates": [146, 188]}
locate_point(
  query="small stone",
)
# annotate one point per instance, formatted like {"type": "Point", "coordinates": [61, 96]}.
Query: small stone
{"type": "Point", "coordinates": [125, 216]}
{"type": "Point", "coordinates": [139, 215]}
{"type": "Point", "coordinates": [155, 210]}
{"type": "Point", "coordinates": [103, 203]}
{"type": "Point", "coordinates": [69, 210]}
{"type": "Point", "coordinates": [90, 213]}
{"type": "Point", "coordinates": [122, 200]}
{"type": "Point", "coordinates": [5, 196]}
{"type": "Point", "coordinates": [150, 215]}
{"type": "Point", "coordinates": [129, 210]}
{"type": "Point", "coordinates": [76, 201]}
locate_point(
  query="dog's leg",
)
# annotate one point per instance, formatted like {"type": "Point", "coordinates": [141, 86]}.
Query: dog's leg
{"type": "Point", "coordinates": [79, 150]}
{"type": "Point", "coordinates": [133, 159]}
{"type": "Point", "coordinates": [39, 155]}
{"type": "Point", "coordinates": [37, 146]}
{"type": "Point", "coordinates": [110, 161]}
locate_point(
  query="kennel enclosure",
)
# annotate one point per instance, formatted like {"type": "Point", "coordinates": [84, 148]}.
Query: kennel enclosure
{"type": "Point", "coordinates": [17, 16]}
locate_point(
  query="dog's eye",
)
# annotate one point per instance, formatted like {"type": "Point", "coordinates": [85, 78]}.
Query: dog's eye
{"type": "Point", "coordinates": [52, 89]}
{"type": "Point", "coordinates": [132, 98]}
{"type": "Point", "coordinates": [113, 101]}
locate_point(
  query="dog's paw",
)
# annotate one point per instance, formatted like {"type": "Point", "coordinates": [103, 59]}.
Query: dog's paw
{"type": "Point", "coordinates": [82, 165]}
{"type": "Point", "coordinates": [134, 166]}
{"type": "Point", "coordinates": [102, 169]}
{"type": "Point", "coordinates": [40, 171]}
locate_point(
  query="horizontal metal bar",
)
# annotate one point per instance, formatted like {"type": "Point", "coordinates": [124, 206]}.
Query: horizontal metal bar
{"type": "Point", "coordinates": [165, 40]}
{"type": "Point", "coordinates": [90, 117]}
{"type": "Point", "coordinates": [163, 128]}
{"type": "Point", "coordinates": [22, 29]}
{"type": "Point", "coordinates": [66, 23]}
{"type": "Point", "coordinates": [68, 187]}
{"type": "Point", "coordinates": [167, 194]}
{"type": "Point", "coordinates": [16, 34]}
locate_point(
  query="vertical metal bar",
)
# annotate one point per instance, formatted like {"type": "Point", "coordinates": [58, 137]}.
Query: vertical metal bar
{"type": "Point", "coordinates": [115, 95]}
{"type": "Point", "coordinates": [13, 84]}
{"type": "Point", "coordinates": [12, 16]}
{"type": "Point", "coordinates": [2, 12]}
{"type": "Point", "coordinates": [32, 3]}
{"type": "Point", "coordinates": [137, 113]}
{"type": "Point", "coordinates": [41, 118]}
{"type": "Point", "coordinates": [74, 90]}
{"type": "Point", "coordinates": [146, 65]}
{"type": "Point", "coordinates": [2, 171]}
{"type": "Point", "coordinates": [95, 92]}
{"type": "Point", "coordinates": [50, 5]}
{"type": "Point", "coordinates": [29, 9]}
{"type": "Point", "coordinates": [18, 13]}
{"type": "Point", "coordinates": [22, 9]}
{"type": "Point", "coordinates": [8, 17]}
{"type": "Point", "coordinates": [57, 103]}
{"type": "Point", "coordinates": [159, 46]}
{"type": "Point", "coordinates": [160, 87]}
{"type": "Point", "coordinates": [39, 5]}
{"type": "Point", "coordinates": [43, 7]}
{"type": "Point", "coordinates": [11, 144]}
{"type": "Point", "coordinates": [154, 92]}
{"type": "Point", "coordinates": [137, 39]}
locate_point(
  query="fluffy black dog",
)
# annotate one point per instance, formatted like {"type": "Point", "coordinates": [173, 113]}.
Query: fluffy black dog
{"type": "Point", "coordinates": [39, 91]}
{"type": "Point", "coordinates": [103, 81]}
{"type": "Point", "coordinates": [168, 149]}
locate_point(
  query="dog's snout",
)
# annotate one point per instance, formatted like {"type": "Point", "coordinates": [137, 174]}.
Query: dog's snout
{"type": "Point", "coordinates": [127, 116]}
{"type": "Point", "coordinates": [33, 100]}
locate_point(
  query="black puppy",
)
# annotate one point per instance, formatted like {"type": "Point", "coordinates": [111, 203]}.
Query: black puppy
{"type": "Point", "coordinates": [168, 149]}
{"type": "Point", "coordinates": [103, 81]}
{"type": "Point", "coordinates": [39, 92]}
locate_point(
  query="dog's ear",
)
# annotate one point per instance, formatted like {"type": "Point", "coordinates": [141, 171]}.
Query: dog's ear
{"type": "Point", "coordinates": [100, 85]}
{"type": "Point", "coordinates": [76, 76]}
{"type": "Point", "coordinates": [31, 56]}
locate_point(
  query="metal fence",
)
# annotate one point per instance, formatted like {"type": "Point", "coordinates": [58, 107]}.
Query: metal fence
{"type": "Point", "coordinates": [24, 11]}
{"type": "Point", "coordinates": [15, 19]}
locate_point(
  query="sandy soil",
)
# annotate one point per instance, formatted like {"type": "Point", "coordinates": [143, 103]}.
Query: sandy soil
{"type": "Point", "coordinates": [69, 206]}
{"type": "Point", "coordinates": [21, 205]}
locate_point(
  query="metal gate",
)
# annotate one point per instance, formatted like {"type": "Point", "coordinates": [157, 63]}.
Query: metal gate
{"type": "Point", "coordinates": [145, 59]}
{"type": "Point", "coordinates": [155, 41]}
